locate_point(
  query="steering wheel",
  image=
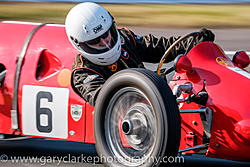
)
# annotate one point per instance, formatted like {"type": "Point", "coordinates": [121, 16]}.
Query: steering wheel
{"type": "Point", "coordinates": [193, 39]}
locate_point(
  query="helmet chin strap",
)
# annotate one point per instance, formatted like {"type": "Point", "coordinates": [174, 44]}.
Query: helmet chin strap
{"type": "Point", "coordinates": [108, 45]}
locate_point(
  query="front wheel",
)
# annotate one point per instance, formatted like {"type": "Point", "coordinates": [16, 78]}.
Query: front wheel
{"type": "Point", "coordinates": [137, 120]}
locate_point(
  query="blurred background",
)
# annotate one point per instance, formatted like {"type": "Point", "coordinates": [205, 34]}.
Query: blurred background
{"type": "Point", "coordinates": [146, 13]}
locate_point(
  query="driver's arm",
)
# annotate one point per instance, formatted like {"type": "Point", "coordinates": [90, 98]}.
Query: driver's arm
{"type": "Point", "coordinates": [151, 49]}
{"type": "Point", "coordinates": [87, 84]}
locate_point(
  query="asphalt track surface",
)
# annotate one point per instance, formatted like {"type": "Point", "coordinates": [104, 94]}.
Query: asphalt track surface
{"type": "Point", "coordinates": [51, 153]}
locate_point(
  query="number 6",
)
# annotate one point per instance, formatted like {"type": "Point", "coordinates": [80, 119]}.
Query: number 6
{"type": "Point", "coordinates": [43, 111]}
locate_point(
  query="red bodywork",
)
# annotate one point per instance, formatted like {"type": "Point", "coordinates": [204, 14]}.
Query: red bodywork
{"type": "Point", "coordinates": [48, 62]}
{"type": "Point", "coordinates": [228, 97]}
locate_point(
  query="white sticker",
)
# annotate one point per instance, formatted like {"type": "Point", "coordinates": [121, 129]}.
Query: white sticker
{"type": "Point", "coordinates": [45, 111]}
{"type": "Point", "coordinates": [240, 71]}
{"type": "Point", "coordinates": [76, 112]}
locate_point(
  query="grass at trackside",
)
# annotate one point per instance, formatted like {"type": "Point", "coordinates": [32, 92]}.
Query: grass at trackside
{"type": "Point", "coordinates": [151, 15]}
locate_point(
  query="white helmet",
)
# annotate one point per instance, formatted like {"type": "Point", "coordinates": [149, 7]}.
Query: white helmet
{"type": "Point", "coordinates": [85, 24]}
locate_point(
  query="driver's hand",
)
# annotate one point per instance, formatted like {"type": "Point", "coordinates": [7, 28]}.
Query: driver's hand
{"type": "Point", "coordinates": [206, 35]}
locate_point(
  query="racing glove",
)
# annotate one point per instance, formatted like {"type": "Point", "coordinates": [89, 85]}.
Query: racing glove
{"type": "Point", "coordinates": [206, 35]}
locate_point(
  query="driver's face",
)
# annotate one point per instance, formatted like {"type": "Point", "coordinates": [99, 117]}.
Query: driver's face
{"type": "Point", "coordinates": [104, 41]}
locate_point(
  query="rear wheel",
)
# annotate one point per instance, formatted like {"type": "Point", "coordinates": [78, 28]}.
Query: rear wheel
{"type": "Point", "coordinates": [137, 120]}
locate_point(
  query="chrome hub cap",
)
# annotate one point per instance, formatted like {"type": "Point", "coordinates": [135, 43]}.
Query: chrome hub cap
{"type": "Point", "coordinates": [135, 126]}
{"type": "Point", "coordinates": [130, 127]}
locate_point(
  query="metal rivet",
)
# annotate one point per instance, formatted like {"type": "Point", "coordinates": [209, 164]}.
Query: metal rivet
{"type": "Point", "coordinates": [194, 123]}
{"type": "Point", "coordinates": [178, 77]}
{"type": "Point", "coordinates": [72, 132]}
{"type": "Point", "coordinates": [217, 145]}
{"type": "Point", "coordinates": [174, 84]}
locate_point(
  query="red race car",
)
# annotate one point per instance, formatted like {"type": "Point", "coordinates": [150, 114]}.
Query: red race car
{"type": "Point", "coordinates": [138, 115]}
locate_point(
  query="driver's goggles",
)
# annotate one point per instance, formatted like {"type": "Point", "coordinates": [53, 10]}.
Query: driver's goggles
{"type": "Point", "coordinates": [98, 39]}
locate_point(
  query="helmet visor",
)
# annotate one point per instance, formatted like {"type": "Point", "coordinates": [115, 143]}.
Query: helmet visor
{"type": "Point", "coordinates": [93, 47]}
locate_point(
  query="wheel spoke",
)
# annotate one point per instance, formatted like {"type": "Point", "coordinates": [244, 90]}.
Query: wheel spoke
{"type": "Point", "coordinates": [130, 126]}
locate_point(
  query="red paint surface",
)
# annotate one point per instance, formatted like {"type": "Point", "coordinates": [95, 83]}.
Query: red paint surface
{"type": "Point", "coordinates": [228, 97]}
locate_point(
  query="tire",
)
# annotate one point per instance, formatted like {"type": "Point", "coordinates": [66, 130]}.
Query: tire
{"type": "Point", "coordinates": [136, 120]}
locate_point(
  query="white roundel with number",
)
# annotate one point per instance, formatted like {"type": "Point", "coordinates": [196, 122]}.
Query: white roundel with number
{"type": "Point", "coordinates": [45, 111]}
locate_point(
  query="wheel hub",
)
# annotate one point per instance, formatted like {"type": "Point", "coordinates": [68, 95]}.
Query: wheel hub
{"type": "Point", "coordinates": [131, 127]}
{"type": "Point", "coordinates": [135, 125]}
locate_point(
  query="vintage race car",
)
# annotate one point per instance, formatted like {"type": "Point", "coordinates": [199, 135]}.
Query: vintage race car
{"type": "Point", "coordinates": [204, 108]}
